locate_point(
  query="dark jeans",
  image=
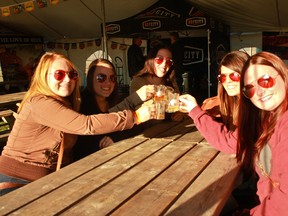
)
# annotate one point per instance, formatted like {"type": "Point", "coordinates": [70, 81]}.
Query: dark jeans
{"type": "Point", "coordinates": [5, 178]}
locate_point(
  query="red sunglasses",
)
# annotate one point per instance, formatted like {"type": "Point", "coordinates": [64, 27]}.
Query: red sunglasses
{"type": "Point", "coordinates": [235, 77]}
{"type": "Point", "coordinates": [265, 81]}
{"type": "Point", "coordinates": [60, 75]}
{"type": "Point", "coordinates": [160, 59]}
{"type": "Point", "coordinates": [103, 77]}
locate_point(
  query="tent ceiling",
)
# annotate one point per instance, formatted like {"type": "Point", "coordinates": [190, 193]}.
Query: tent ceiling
{"type": "Point", "coordinates": [78, 19]}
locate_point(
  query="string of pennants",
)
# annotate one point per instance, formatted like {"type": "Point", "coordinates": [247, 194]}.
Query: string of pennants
{"type": "Point", "coordinates": [27, 6]}
{"type": "Point", "coordinates": [82, 45]}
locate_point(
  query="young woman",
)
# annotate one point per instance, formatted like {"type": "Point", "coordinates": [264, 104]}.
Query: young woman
{"type": "Point", "coordinates": [157, 70]}
{"type": "Point", "coordinates": [225, 105]}
{"type": "Point", "coordinates": [49, 115]}
{"type": "Point", "coordinates": [262, 130]}
{"type": "Point", "coordinates": [217, 119]}
{"type": "Point", "coordinates": [101, 96]}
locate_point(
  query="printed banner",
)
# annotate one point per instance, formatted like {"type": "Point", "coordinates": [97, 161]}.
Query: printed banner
{"type": "Point", "coordinates": [5, 11]}
{"type": "Point", "coordinates": [41, 3]}
{"type": "Point", "coordinates": [20, 40]}
{"type": "Point", "coordinates": [29, 6]}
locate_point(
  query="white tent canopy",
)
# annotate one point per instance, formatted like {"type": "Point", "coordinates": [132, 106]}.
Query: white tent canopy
{"type": "Point", "coordinates": [81, 19]}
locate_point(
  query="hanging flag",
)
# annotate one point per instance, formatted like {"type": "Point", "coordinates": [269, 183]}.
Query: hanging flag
{"type": "Point", "coordinates": [54, 2]}
{"type": "Point", "coordinates": [17, 9]}
{"type": "Point", "coordinates": [5, 11]}
{"type": "Point", "coordinates": [123, 47]}
{"type": "Point", "coordinates": [66, 46]}
{"type": "Point", "coordinates": [81, 45]}
{"type": "Point", "coordinates": [41, 3]}
{"type": "Point", "coordinates": [89, 43]}
{"type": "Point", "coordinates": [98, 42]}
{"type": "Point", "coordinates": [29, 6]}
{"type": "Point", "coordinates": [74, 46]}
{"type": "Point", "coordinates": [113, 45]}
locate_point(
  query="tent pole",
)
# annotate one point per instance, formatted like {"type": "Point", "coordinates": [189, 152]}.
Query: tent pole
{"type": "Point", "coordinates": [104, 47]}
{"type": "Point", "coordinates": [209, 63]}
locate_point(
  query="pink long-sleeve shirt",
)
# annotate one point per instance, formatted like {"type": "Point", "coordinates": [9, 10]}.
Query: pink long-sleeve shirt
{"type": "Point", "coordinates": [273, 200]}
{"type": "Point", "coordinates": [38, 130]}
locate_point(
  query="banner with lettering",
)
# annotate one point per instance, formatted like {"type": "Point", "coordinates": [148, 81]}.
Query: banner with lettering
{"type": "Point", "coordinates": [162, 16]}
{"type": "Point", "coordinates": [20, 40]}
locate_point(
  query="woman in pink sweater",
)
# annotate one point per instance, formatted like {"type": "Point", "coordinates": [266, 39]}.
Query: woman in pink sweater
{"type": "Point", "coordinates": [262, 130]}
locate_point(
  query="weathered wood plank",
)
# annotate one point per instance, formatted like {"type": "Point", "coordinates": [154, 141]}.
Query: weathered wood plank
{"type": "Point", "coordinates": [157, 195]}
{"type": "Point", "coordinates": [5, 113]}
{"type": "Point", "coordinates": [177, 130]}
{"type": "Point", "coordinates": [48, 183]}
{"type": "Point", "coordinates": [207, 195]}
{"type": "Point", "coordinates": [116, 192]}
{"type": "Point", "coordinates": [80, 187]}
{"type": "Point", "coordinates": [12, 98]}
{"type": "Point", "coordinates": [158, 129]}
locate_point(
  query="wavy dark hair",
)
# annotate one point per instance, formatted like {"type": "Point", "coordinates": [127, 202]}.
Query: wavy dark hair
{"type": "Point", "coordinates": [256, 126]}
{"type": "Point", "coordinates": [229, 105]}
{"type": "Point", "coordinates": [113, 99]}
{"type": "Point", "coordinates": [149, 67]}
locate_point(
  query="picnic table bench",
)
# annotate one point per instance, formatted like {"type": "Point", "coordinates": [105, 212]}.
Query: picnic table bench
{"type": "Point", "coordinates": [169, 169]}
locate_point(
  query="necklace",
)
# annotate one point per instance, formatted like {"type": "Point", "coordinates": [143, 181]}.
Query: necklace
{"type": "Point", "coordinates": [265, 174]}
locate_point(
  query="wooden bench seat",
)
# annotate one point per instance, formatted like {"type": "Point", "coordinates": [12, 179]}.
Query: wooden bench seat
{"type": "Point", "coordinates": [8, 118]}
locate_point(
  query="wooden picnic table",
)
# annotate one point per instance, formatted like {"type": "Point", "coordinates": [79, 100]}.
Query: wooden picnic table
{"type": "Point", "coordinates": [11, 99]}
{"type": "Point", "coordinates": [169, 169]}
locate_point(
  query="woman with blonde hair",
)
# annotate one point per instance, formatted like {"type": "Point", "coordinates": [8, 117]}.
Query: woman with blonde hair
{"type": "Point", "coordinates": [48, 121]}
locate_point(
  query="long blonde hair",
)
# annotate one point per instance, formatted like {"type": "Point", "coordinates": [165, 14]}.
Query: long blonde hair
{"type": "Point", "coordinates": [39, 84]}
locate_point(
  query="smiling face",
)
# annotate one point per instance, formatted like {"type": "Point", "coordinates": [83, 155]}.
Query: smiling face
{"type": "Point", "coordinates": [105, 88]}
{"type": "Point", "coordinates": [162, 69]}
{"type": "Point", "coordinates": [232, 87]}
{"type": "Point", "coordinates": [265, 98]}
{"type": "Point", "coordinates": [62, 87]}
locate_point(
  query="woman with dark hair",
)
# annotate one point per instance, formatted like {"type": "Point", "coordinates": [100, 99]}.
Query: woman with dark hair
{"type": "Point", "coordinates": [101, 96]}
{"type": "Point", "coordinates": [261, 137]}
{"type": "Point", "coordinates": [156, 70]}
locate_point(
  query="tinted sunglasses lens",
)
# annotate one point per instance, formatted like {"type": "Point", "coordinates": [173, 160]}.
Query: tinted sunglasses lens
{"type": "Point", "coordinates": [266, 82]}
{"type": "Point", "coordinates": [73, 75]}
{"type": "Point", "coordinates": [59, 75]}
{"type": "Point", "coordinates": [249, 91]}
{"type": "Point", "coordinates": [159, 60]}
{"type": "Point", "coordinates": [234, 77]}
{"type": "Point", "coordinates": [169, 62]}
{"type": "Point", "coordinates": [101, 78]}
{"type": "Point", "coordinates": [222, 78]}
{"type": "Point", "coordinates": [113, 78]}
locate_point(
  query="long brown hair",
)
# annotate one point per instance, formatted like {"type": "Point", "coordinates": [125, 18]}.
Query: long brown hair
{"type": "Point", "coordinates": [149, 67]}
{"type": "Point", "coordinates": [39, 83]}
{"type": "Point", "coordinates": [256, 126]}
{"type": "Point", "coordinates": [229, 105]}
{"type": "Point", "coordinates": [113, 98]}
